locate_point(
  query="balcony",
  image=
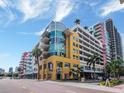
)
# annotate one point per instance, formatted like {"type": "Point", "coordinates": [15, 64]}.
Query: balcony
{"type": "Point", "coordinates": [45, 34]}
{"type": "Point", "coordinates": [45, 40]}
{"type": "Point", "coordinates": [45, 55]}
{"type": "Point", "coordinates": [43, 45]}
{"type": "Point", "coordinates": [45, 52]}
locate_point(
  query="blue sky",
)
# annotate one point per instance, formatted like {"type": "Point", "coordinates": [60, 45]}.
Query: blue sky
{"type": "Point", "coordinates": [22, 21]}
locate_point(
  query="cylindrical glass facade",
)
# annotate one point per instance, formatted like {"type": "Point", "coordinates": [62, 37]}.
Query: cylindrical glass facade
{"type": "Point", "coordinates": [107, 44]}
{"type": "Point", "coordinates": [57, 46]}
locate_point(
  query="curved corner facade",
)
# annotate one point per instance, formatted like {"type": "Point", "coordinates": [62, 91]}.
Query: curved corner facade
{"type": "Point", "coordinates": [57, 45]}
{"type": "Point", "coordinates": [67, 49]}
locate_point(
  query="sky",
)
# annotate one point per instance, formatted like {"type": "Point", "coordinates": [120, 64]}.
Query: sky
{"type": "Point", "coordinates": [22, 22]}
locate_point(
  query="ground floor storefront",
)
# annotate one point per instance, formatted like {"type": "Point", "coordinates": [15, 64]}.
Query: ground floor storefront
{"type": "Point", "coordinates": [59, 68]}
{"type": "Point", "coordinates": [92, 75]}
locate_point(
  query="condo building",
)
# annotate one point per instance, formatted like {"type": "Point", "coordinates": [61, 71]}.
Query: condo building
{"type": "Point", "coordinates": [64, 50]}
{"type": "Point", "coordinates": [115, 40]}
{"type": "Point", "coordinates": [102, 35]}
{"type": "Point", "coordinates": [26, 66]}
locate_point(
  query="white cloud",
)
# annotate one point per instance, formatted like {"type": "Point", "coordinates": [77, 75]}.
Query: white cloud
{"type": "Point", "coordinates": [7, 15]}
{"type": "Point", "coordinates": [39, 33]}
{"type": "Point", "coordinates": [91, 3]}
{"type": "Point", "coordinates": [33, 8]}
{"type": "Point", "coordinates": [110, 7]}
{"type": "Point", "coordinates": [2, 3]}
{"type": "Point", "coordinates": [63, 9]}
{"type": "Point", "coordinates": [25, 10]}
{"type": "Point", "coordinates": [29, 33]}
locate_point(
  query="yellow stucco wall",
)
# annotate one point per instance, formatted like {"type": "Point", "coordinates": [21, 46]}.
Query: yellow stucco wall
{"type": "Point", "coordinates": [54, 60]}
{"type": "Point", "coordinates": [72, 37]}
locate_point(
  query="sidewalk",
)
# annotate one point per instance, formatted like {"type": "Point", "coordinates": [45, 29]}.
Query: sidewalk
{"type": "Point", "coordinates": [116, 89]}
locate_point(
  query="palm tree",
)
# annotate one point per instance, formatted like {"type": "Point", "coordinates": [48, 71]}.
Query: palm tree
{"type": "Point", "coordinates": [109, 69]}
{"type": "Point", "coordinates": [77, 21]}
{"type": "Point", "coordinates": [114, 68]}
{"type": "Point", "coordinates": [121, 71]}
{"type": "Point", "coordinates": [92, 61]}
{"type": "Point", "coordinates": [119, 63]}
{"type": "Point", "coordinates": [77, 72]}
{"type": "Point", "coordinates": [37, 53]}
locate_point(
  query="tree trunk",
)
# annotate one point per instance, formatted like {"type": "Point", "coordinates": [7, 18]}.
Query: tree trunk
{"type": "Point", "coordinates": [94, 71]}
{"type": "Point", "coordinates": [38, 73]}
{"type": "Point", "coordinates": [118, 75]}
{"type": "Point", "coordinates": [114, 75]}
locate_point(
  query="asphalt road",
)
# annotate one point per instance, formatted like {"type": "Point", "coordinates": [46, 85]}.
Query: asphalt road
{"type": "Point", "coordinates": [32, 86]}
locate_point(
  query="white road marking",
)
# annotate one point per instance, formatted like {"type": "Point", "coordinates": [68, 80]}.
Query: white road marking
{"type": "Point", "coordinates": [70, 91]}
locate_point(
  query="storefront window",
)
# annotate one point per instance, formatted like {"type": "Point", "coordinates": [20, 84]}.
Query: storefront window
{"type": "Point", "coordinates": [67, 65]}
{"type": "Point", "coordinates": [75, 65]}
{"type": "Point", "coordinates": [50, 66]}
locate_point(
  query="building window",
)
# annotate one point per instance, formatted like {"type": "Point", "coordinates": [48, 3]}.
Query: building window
{"type": "Point", "coordinates": [76, 39]}
{"type": "Point", "coordinates": [87, 68]}
{"type": "Point", "coordinates": [76, 45]}
{"type": "Point", "coordinates": [75, 65]}
{"type": "Point", "coordinates": [80, 35]}
{"type": "Point", "coordinates": [59, 64]}
{"type": "Point", "coordinates": [81, 47]}
{"type": "Point", "coordinates": [98, 69]}
{"type": "Point", "coordinates": [81, 52]}
{"type": "Point", "coordinates": [81, 58]}
{"type": "Point", "coordinates": [77, 51]}
{"type": "Point", "coordinates": [80, 41]}
{"type": "Point", "coordinates": [73, 38]}
{"type": "Point", "coordinates": [93, 68]}
{"type": "Point", "coordinates": [50, 66]}
{"type": "Point", "coordinates": [73, 50]}
{"type": "Point", "coordinates": [85, 59]}
{"type": "Point", "coordinates": [73, 44]}
{"type": "Point", "coordinates": [67, 65]}
{"type": "Point", "coordinates": [77, 57]}
{"type": "Point", "coordinates": [73, 56]}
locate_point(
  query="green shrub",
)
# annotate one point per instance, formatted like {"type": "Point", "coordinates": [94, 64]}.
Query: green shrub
{"type": "Point", "coordinates": [112, 82]}
{"type": "Point", "coordinates": [102, 83]}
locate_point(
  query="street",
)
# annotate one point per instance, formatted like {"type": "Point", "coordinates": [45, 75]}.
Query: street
{"type": "Point", "coordinates": [34, 86]}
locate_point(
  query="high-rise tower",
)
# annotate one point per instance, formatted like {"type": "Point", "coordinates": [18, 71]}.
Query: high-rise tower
{"type": "Point", "coordinates": [115, 40]}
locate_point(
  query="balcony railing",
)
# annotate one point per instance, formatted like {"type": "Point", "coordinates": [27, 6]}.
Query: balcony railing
{"type": "Point", "coordinates": [45, 39]}
{"type": "Point", "coordinates": [43, 45]}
